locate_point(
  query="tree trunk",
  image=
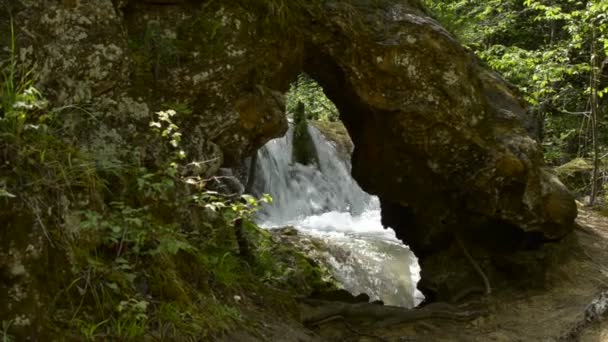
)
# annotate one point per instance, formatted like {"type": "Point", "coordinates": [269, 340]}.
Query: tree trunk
{"type": "Point", "coordinates": [593, 100]}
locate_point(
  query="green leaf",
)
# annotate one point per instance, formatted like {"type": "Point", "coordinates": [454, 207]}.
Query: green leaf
{"type": "Point", "coordinates": [4, 193]}
{"type": "Point", "coordinates": [112, 286]}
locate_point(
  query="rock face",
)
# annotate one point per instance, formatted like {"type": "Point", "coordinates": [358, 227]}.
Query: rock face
{"type": "Point", "coordinates": [443, 142]}
{"type": "Point", "coordinates": [336, 133]}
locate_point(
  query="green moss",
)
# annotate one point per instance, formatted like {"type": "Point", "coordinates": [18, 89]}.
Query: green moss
{"type": "Point", "coordinates": [204, 27]}
{"type": "Point", "coordinates": [573, 166]}
{"type": "Point", "coordinates": [288, 15]}
{"type": "Point", "coordinates": [335, 132]}
{"type": "Point", "coordinates": [576, 175]}
{"type": "Point", "coordinates": [279, 264]}
{"type": "Point", "coordinates": [152, 53]}
{"type": "Point", "coordinates": [304, 150]}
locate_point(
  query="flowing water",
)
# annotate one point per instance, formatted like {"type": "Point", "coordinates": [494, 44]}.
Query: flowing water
{"type": "Point", "coordinates": [325, 202]}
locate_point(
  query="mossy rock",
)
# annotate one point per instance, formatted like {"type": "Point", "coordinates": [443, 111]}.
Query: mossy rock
{"type": "Point", "coordinates": [576, 175]}
{"type": "Point", "coordinates": [282, 263]}
{"type": "Point", "coordinates": [335, 132]}
{"type": "Point", "coordinates": [304, 150]}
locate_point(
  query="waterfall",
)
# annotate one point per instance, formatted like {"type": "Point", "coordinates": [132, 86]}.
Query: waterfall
{"type": "Point", "coordinates": [325, 202]}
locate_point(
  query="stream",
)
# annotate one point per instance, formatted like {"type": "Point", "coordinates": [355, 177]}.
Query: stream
{"type": "Point", "coordinates": [324, 201]}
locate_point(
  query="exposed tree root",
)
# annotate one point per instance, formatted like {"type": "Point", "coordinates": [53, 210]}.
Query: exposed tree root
{"type": "Point", "coordinates": [475, 265]}
{"type": "Point", "coordinates": [316, 312]}
{"type": "Point", "coordinates": [348, 326]}
{"type": "Point", "coordinates": [459, 296]}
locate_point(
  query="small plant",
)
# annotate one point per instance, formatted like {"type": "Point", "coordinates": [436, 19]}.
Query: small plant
{"type": "Point", "coordinates": [4, 193]}
{"type": "Point", "coordinates": [132, 318]}
{"type": "Point", "coordinates": [8, 89]}
{"type": "Point", "coordinates": [90, 331]}
{"type": "Point", "coordinates": [169, 131]}
{"type": "Point", "coordinates": [17, 95]}
{"type": "Point", "coordinates": [6, 337]}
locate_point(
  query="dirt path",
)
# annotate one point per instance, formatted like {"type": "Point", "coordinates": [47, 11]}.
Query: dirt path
{"type": "Point", "coordinates": [560, 311]}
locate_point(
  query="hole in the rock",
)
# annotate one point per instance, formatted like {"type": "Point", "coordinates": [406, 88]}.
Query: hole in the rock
{"type": "Point", "coordinates": [308, 174]}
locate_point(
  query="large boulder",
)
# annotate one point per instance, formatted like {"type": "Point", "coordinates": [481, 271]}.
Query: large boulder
{"type": "Point", "coordinates": [444, 143]}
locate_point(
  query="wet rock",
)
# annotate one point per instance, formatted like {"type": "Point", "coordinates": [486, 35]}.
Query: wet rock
{"type": "Point", "coordinates": [362, 268]}
{"type": "Point", "coordinates": [336, 133]}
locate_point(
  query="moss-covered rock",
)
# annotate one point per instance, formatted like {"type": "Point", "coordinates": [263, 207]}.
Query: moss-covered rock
{"type": "Point", "coordinates": [304, 150]}
{"type": "Point", "coordinates": [576, 174]}
{"type": "Point", "coordinates": [336, 133]}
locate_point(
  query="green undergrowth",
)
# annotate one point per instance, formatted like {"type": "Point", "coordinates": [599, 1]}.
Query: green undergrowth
{"type": "Point", "coordinates": [291, 16]}
{"type": "Point", "coordinates": [143, 252]}
{"type": "Point", "coordinates": [284, 12]}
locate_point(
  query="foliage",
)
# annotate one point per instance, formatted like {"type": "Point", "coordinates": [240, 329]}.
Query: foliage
{"type": "Point", "coordinates": [4, 335]}
{"type": "Point", "coordinates": [536, 46]}
{"type": "Point", "coordinates": [16, 92]}
{"type": "Point", "coordinates": [318, 107]}
{"type": "Point", "coordinates": [555, 52]}
{"type": "Point", "coordinates": [150, 252]}
{"type": "Point", "coordinates": [283, 13]}
{"type": "Point", "coordinates": [125, 247]}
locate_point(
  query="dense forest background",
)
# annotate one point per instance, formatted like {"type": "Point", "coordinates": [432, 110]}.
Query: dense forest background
{"type": "Point", "coordinates": [555, 53]}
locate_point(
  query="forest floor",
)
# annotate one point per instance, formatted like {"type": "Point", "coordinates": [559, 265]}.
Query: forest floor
{"type": "Point", "coordinates": [564, 310]}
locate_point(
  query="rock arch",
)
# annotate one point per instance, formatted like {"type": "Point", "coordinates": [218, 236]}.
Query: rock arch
{"type": "Point", "coordinates": [444, 143]}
